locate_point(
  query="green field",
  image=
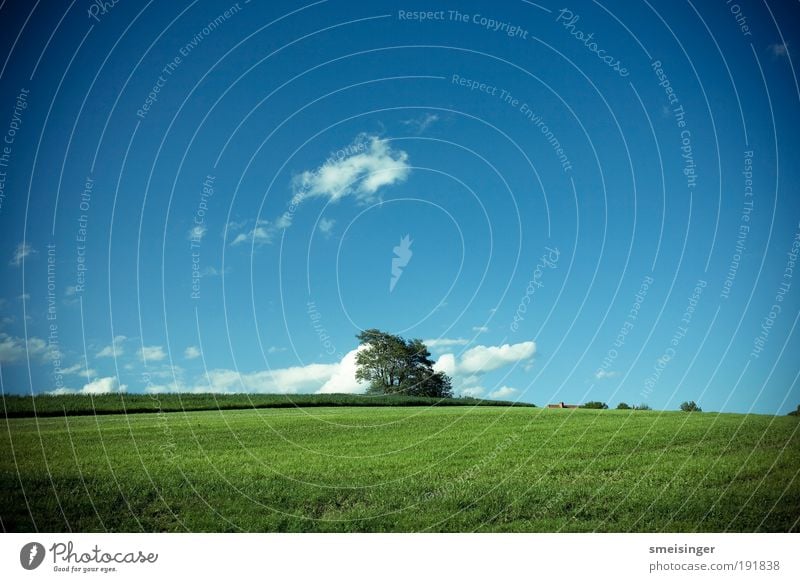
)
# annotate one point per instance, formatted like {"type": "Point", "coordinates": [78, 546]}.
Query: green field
{"type": "Point", "coordinates": [401, 469]}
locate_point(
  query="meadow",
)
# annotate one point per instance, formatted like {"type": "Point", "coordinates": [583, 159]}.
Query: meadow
{"type": "Point", "coordinates": [400, 468]}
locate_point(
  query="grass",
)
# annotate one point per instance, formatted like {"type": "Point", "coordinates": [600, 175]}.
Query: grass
{"type": "Point", "coordinates": [401, 469]}
{"type": "Point", "coordinates": [72, 405]}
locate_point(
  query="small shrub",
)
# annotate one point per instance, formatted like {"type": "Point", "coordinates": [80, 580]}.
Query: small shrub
{"type": "Point", "coordinates": [595, 405]}
{"type": "Point", "coordinates": [623, 406]}
{"type": "Point", "coordinates": [642, 407]}
{"type": "Point", "coordinates": [691, 406]}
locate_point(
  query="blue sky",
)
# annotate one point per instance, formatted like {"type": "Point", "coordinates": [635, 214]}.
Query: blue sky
{"type": "Point", "coordinates": [591, 202]}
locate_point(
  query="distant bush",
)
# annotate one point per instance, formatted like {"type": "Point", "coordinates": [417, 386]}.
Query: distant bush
{"type": "Point", "coordinates": [129, 403]}
{"type": "Point", "coordinates": [623, 406]}
{"type": "Point", "coordinates": [595, 405]}
{"type": "Point", "coordinates": [642, 407]}
{"type": "Point", "coordinates": [795, 412]}
{"type": "Point", "coordinates": [691, 406]}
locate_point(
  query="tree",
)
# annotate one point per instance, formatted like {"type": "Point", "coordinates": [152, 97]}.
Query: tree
{"type": "Point", "coordinates": [691, 406]}
{"type": "Point", "coordinates": [393, 365]}
{"type": "Point", "coordinates": [642, 407]}
{"type": "Point", "coordinates": [623, 406]}
{"type": "Point", "coordinates": [596, 405]}
{"type": "Point", "coordinates": [795, 412]}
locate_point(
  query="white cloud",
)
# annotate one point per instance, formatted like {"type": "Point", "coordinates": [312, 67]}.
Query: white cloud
{"type": "Point", "coordinates": [234, 225]}
{"type": "Point", "coordinates": [367, 165]}
{"type": "Point", "coordinates": [282, 380]}
{"type": "Point", "coordinates": [211, 272]}
{"type": "Point", "coordinates": [481, 359]}
{"type": "Point", "coordinates": [262, 233]}
{"type": "Point", "coordinates": [114, 350]}
{"type": "Point", "coordinates": [22, 251]}
{"type": "Point", "coordinates": [338, 376]}
{"type": "Point", "coordinates": [105, 385]}
{"type": "Point", "coordinates": [469, 385]}
{"type": "Point", "coordinates": [466, 370]}
{"type": "Point", "coordinates": [77, 369]}
{"type": "Point", "coordinates": [420, 124]}
{"type": "Point", "coordinates": [108, 385]}
{"type": "Point", "coordinates": [359, 170]}
{"type": "Point", "coordinates": [14, 349]}
{"type": "Point", "coordinates": [320, 378]}
{"type": "Point", "coordinates": [275, 350]}
{"type": "Point", "coordinates": [166, 372]}
{"type": "Point", "coordinates": [197, 232]}
{"type": "Point", "coordinates": [472, 391]}
{"type": "Point", "coordinates": [191, 353]}
{"type": "Point", "coordinates": [443, 342]}
{"type": "Point", "coordinates": [447, 364]}
{"type": "Point", "coordinates": [480, 329]}
{"type": "Point", "coordinates": [326, 225]}
{"type": "Point", "coordinates": [603, 374]}
{"type": "Point", "coordinates": [503, 392]}
{"type": "Point", "coordinates": [152, 353]}
{"type": "Point", "coordinates": [343, 379]}
{"type": "Point", "coordinates": [52, 354]}
{"type": "Point", "coordinates": [779, 49]}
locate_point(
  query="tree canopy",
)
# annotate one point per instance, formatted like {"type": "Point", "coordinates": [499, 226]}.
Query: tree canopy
{"type": "Point", "coordinates": [393, 365]}
{"type": "Point", "coordinates": [691, 406]}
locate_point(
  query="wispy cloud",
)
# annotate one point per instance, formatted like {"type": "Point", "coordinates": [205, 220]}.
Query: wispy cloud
{"type": "Point", "coordinates": [420, 124]}
{"type": "Point", "coordinates": [472, 391]}
{"type": "Point", "coordinates": [263, 232]}
{"type": "Point", "coordinates": [114, 350]}
{"type": "Point", "coordinates": [197, 232]}
{"type": "Point", "coordinates": [152, 353]}
{"type": "Point", "coordinates": [107, 385]}
{"type": "Point", "coordinates": [779, 49]}
{"type": "Point", "coordinates": [191, 353]}
{"type": "Point", "coordinates": [326, 225]}
{"type": "Point", "coordinates": [77, 369]}
{"type": "Point", "coordinates": [503, 392]}
{"type": "Point", "coordinates": [22, 251]}
{"type": "Point", "coordinates": [14, 349]}
{"type": "Point", "coordinates": [372, 165]}
{"type": "Point", "coordinates": [482, 359]}
{"type": "Point", "coordinates": [468, 369]}
{"type": "Point", "coordinates": [359, 171]}
{"type": "Point", "coordinates": [480, 329]}
{"type": "Point", "coordinates": [603, 374]}
{"type": "Point", "coordinates": [443, 343]}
